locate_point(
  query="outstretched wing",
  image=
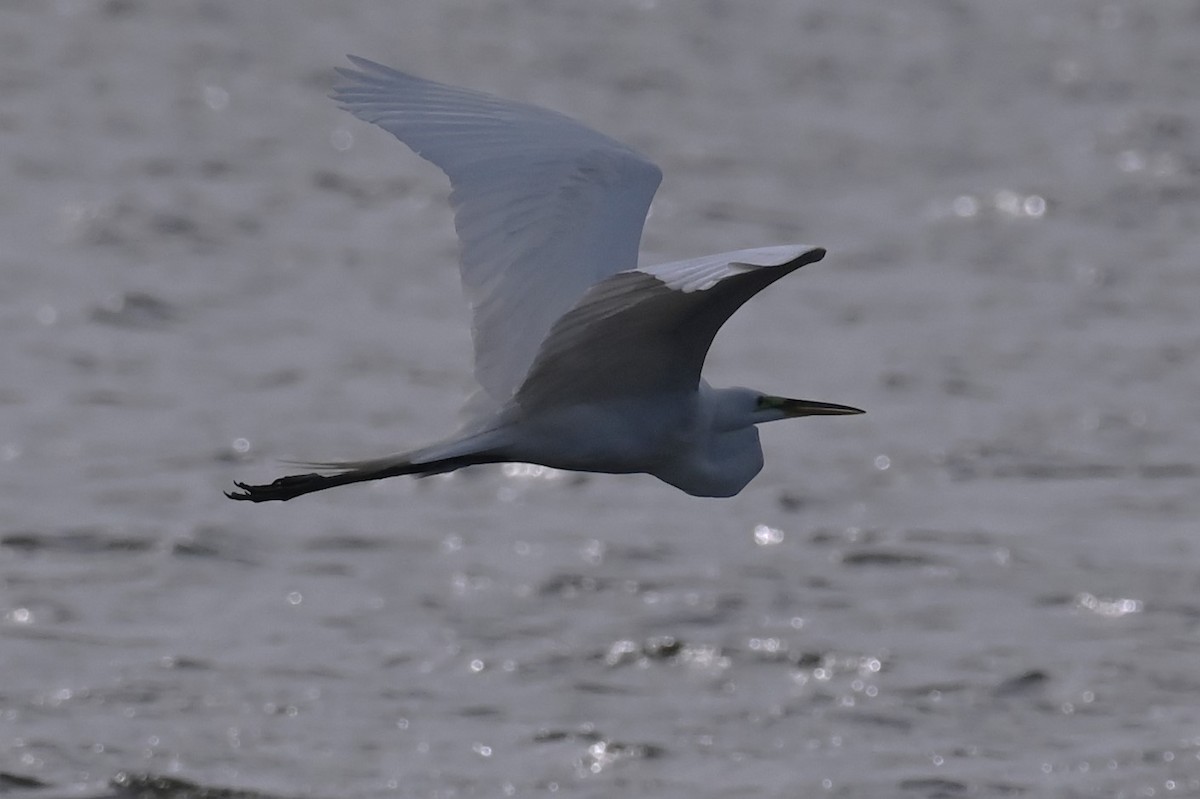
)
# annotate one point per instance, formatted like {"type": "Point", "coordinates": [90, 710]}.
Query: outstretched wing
{"type": "Point", "coordinates": [648, 330]}
{"type": "Point", "coordinates": [545, 208]}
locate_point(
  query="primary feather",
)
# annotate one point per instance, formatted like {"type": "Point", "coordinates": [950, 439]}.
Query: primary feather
{"type": "Point", "coordinates": [647, 331]}
{"type": "Point", "coordinates": [543, 206]}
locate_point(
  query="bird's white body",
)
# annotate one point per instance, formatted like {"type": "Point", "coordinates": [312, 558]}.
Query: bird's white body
{"type": "Point", "coordinates": [584, 360]}
{"type": "Point", "coordinates": [682, 439]}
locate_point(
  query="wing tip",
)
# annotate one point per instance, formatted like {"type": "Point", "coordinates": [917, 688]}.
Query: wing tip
{"type": "Point", "coordinates": [811, 256]}
{"type": "Point", "coordinates": [799, 255]}
{"type": "Point", "coordinates": [366, 65]}
{"type": "Point", "coordinates": [789, 255]}
{"type": "Point", "coordinates": [363, 74]}
{"type": "Point", "coordinates": [803, 254]}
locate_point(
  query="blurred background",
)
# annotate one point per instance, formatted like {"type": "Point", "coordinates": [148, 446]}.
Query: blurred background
{"type": "Point", "coordinates": [987, 586]}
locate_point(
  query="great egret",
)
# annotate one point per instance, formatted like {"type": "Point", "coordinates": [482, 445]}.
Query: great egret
{"type": "Point", "coordinates": [584, 360]}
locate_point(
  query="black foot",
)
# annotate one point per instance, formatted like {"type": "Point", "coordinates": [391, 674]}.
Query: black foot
{"type": "Point", "coordinates": [284, 488]}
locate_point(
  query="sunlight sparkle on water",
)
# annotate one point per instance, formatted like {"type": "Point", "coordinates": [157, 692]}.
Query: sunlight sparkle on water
{"type": "Point", "coordinates": [530, 471]}
{"type": "Point", "coordinates": [1109, 608]}
{"type": "Point", "coordinates": [341, 139]}
{"type": "Point", "coordinates": [216, 98]}
{"type": "Point", "coordinates": [766, 536]}
{"type": "Point", "coordinates": [1005, 202]}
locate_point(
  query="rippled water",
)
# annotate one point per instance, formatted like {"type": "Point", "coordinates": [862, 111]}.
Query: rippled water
{"type": "Point", "coordinates": [985, 587]}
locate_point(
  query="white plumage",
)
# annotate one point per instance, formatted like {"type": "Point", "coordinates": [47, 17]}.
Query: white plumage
{"type": "Point", "coordinates": [584, 360]}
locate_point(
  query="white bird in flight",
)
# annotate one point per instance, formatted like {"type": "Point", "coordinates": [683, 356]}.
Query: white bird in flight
{"type": "Point", "coordinates": [584, 360]}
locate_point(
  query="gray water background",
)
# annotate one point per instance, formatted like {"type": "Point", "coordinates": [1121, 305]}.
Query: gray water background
{"type": "Point", "coordinates": [987, 586]}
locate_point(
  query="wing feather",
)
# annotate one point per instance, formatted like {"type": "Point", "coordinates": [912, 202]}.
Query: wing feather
{"type": "Point", "coordinates": [544, 207]}
{"type": "Point", "coordinates": [647, 331]}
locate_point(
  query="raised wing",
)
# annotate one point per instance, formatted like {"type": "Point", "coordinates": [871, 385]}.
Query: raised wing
{"type": "Point", "coordinates": [545, 208]}
{"type": "Point", "coordinates": [648, 330]}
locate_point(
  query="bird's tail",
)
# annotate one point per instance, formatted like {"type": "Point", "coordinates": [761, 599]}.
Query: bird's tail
{"type": "Point", "coordinates": [436, 459]}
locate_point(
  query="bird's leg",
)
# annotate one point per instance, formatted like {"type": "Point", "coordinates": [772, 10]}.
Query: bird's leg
{"type": "Point", "coordinates": [295, 485]}
{"type": "Point", "coordinates": [291, 486]}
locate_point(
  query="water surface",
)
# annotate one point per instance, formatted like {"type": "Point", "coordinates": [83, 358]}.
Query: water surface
{"type": "Point", "coordinates": [987, 586]}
